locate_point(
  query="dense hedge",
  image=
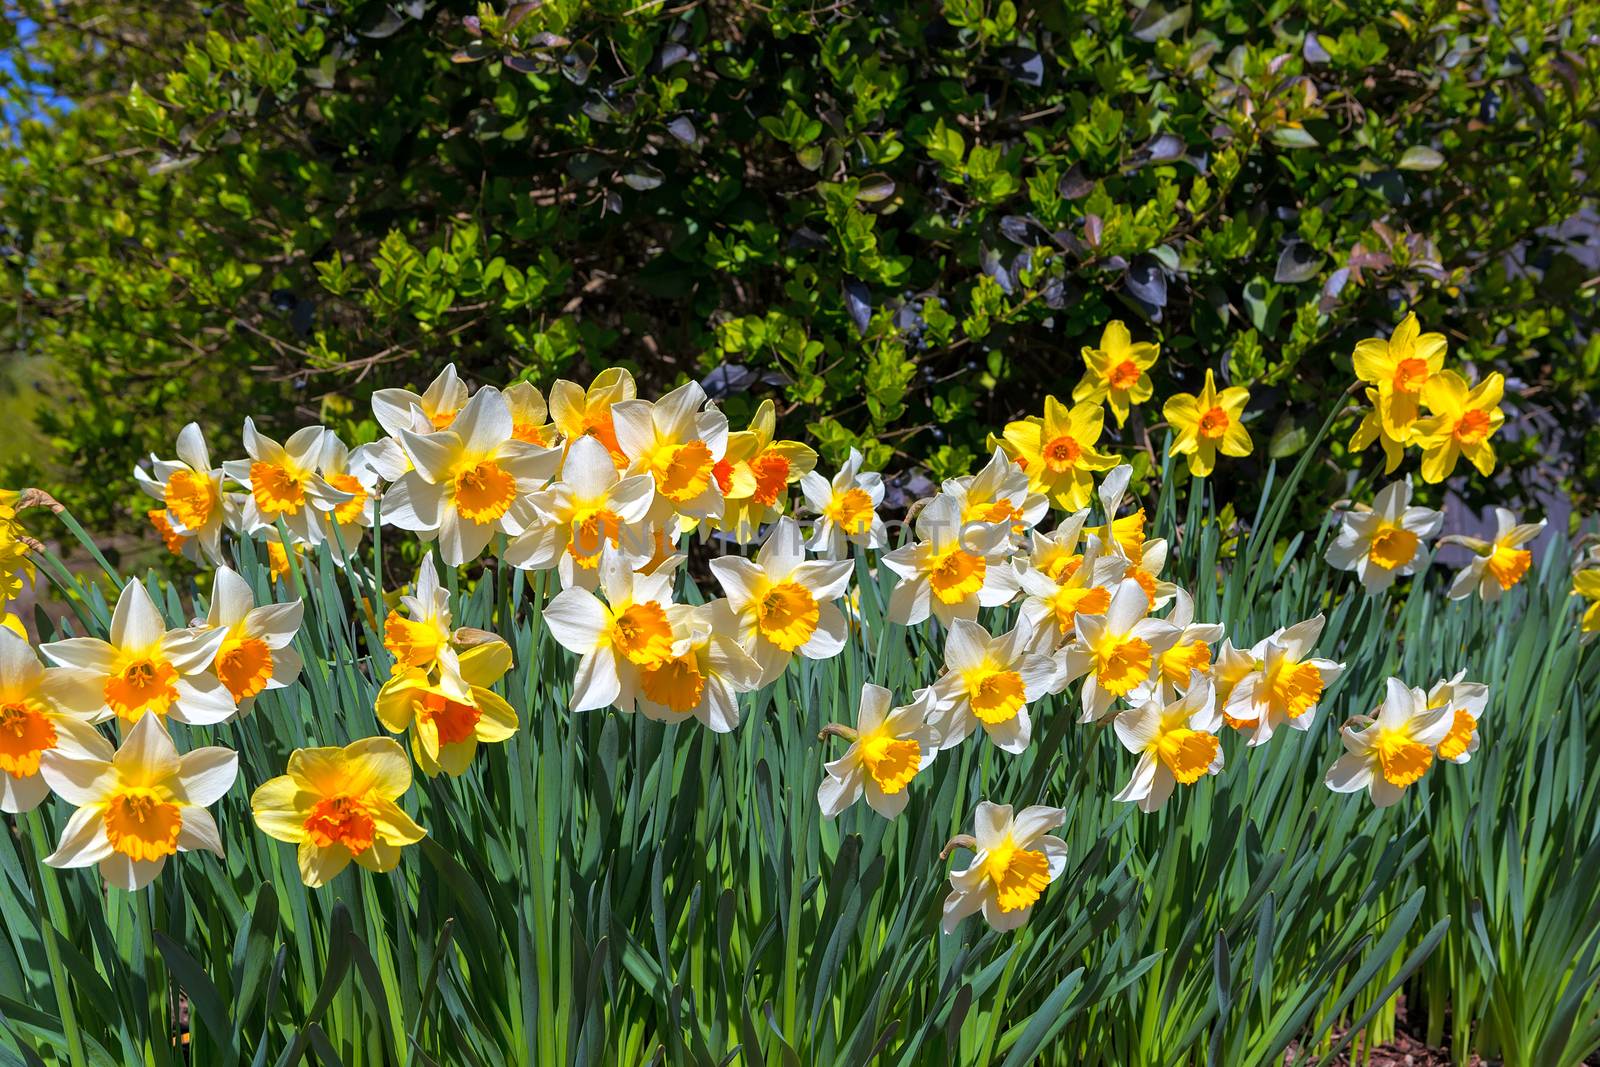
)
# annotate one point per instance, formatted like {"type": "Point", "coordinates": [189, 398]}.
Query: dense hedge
{"type": "Point", "coordinates": [903, 219]}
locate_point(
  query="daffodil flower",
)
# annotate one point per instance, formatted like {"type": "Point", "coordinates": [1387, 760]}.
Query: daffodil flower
{"type": "Point", "coordinates": [1118, 372]}
{"type": "Point", "coordinates": [1371, 429]}
{"type": "Point", "coordinates": [530, 416]}
{"type": "Point", "coordinates": [755, 473]}
{"type": "Point", "coordinates": [356, 473]}
{"type": "Point", "coordinates": [190, 490]}
{"type": "Point", "coordinates": [1287, 685]}
{"type": "Point", "coordinates": [338, 805]}
{"type": "Point", "coordinates": [1388, 753]}
{"type": "Point", "coordinates": [784, 602]}
{"type": "Point", "coordinates": [1056, 554]}
{"type": "Point", "coordinates": [398, 410]}
{"type": "Point", "coordinates": [590, 507]}
{"type": "Point", "coordinates": [1467, 702]}
{"type": "Point", "coordinates": [448, 718]}
{"type": "Point", "coordinates": [146, 669]}
{"type": "Point", "coordinates": [1497, 565]}
{"type": "Point", "coordinates": [420, 638]}
{"type": "Point", "coordinates": [1460, 421]}
{"type": "Point", "coordinates": [1145, 557]}
{"type": "Point", "coordinates": [999, 493]}
{"type": "Point", "coordinates": [678, 444]}
{"type": "Point", "coordinates": [283, 482]}
{"type": "Point", "coordinates": [42, 709]}
{"type": "Point", "coordinates": [708, 670]}
{"type": "Point", "coordinates": [888, 748]}
{"type": "Point", "coordinates": [1387, 540]}
{"type": "Point", "coordinates": [1116, 653]}
{"type": "Point", "coordinates": [628, 632]}
{"type": "Point", "coordinates": [1208, 423]}
{"type": "Point", "coordinates": [138, 805]}
{"type": "Point", "coordinates": [1014, 860]}
{"type": "Point", "coordinates": [988, 684]}
{"type": "Point", "coordinates": [1400, 368]}
{"type": "Point", "coordinates": [1176, 742]}
{"type": "Point", "coordinates": [847, 509]}
{"type": "Point", "coordinates": [1586, 584]}
{"type": "Point", "coordinates": [1055, 596]}
{"type": "Point", "coordinates": [1058, 451]}
{"type": "Point", "coordinates": [467, 479]}
{"type": "Point", "coordinates": [1190, 654]}
{"type": "Point", "coordinates": [578, 412]}
{"type": "Point", "coordinates": [952, 569]}
{"type": "Point", "coordinates": [255, 655]}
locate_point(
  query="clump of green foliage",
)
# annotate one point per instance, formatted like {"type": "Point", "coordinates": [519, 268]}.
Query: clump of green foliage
{"type": "Point", "coordinates": [903, 218]}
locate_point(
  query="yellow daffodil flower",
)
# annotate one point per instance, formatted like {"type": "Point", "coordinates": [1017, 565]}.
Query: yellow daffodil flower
{"type": "Point", "coordinates": [888, 748]}
{"type": "Point", "coordinates": [138, 805]}
{"type": "Point", "coordinates": [1392, 751]}
{"type": "Point", "coordinates": [338, 805]}
{"type": "Point", "coordinates": [1586, 583]}
{"type": "Point", "coordinates": [1058, 451]}
{"type": "Point", "coordinates": [1118, 372]}
{"type": "Point", "coordinates": [1460, 421]}
{"type": "Point", "coordinates": [579, 412]}
{"type": "Point", "coordinates": [1014, 860]}
{"type": "Point", "coordinates": [1371, 429]}
{"type": "Point", "coordinates": [449, 717]}
{"type": "Point", "coordinates": [755, 473]}
{"type": "Point", "coordinates": [1207, 424]}
{"type": "Point", "coordinates": [1400, 367]}
{"type": "Point", "coordinates": [530, 417]}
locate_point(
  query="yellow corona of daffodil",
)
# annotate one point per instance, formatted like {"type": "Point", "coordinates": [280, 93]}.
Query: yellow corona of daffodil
{"type": "Point", "coordinates": [755, 474]}
{"type": "Point", "coordinates": [1399, 368]}
{"type": "Point", "coordinates": [1208, 423]}
{"type": "Point", "coordinates": [338, 805]}
{"type": "Point", "coordinates": [1118, 372]}
{"type": "Point", "coordinates": [1058, 451]}
{"type": "Point", "coordinates": [1460, 422]}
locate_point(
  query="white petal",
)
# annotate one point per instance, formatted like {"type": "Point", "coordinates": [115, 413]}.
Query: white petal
{"type": "Point", "coordinates": [208, 773]}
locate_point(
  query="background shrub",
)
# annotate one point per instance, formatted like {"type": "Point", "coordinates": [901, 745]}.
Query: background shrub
{"type": "Point", "coordinates": [904, 219]}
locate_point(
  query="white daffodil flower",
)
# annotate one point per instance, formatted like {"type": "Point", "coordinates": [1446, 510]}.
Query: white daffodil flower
{"type": "Point", "coordinates": [1496, 565]}
{"type": "Point", "coordinates": [998, 494]}
{"type": "Point", "coordinates": [952, 569]}
{"type": "Point", "coordinates": [1386, 541]}
{"type": "Point", "coordinates": [467, 478]}
{"type": "Point", "coordinates": [888, 747]}
{"type": "Point", "coordinates": [190, 490]}
{"type": "Point", "coordinates": [678, 444]}
{"type": "Point", "coordinates": [1115, 653]}
{"type": "Point", "coordinates": [397, 410]}
{"type": "Point", "coordinates": [138, 805]}
{"type": "Point", "coordinates": [589, 507]}
{"type": "Point", "coordinates": [1065, 586]}
{"type": "Point", "coordinates": [254, 655]}
{"type": "Point", "coordinates": [356, 474]}
{"type": "Point", "coordinates": [1176, 741]}
{"type": "Point", "coordinates": [283, 482]}
{"type": "Point", "coordinates": [847, 509]}
{"type": "Point", "coordinates": [989, 683]}
{"type": "Point", "coordinates": [784, 602]}
{"type": "Point", "coordinates": [146, 668]}
{"type": "Point", "coordinates": [707, 672]}
{"type": "Point", "coordinates": [1287, 685]}
{"type": "Point", "coordinates": [615, 639]}
{"type": "Point", "coordinates": [1467, 702]}
{"type": "Point", "coordinates": [1014, 860]}
{"type": "Point", "coordinates": [42, 709]}
{"type": "Point", "coordinates": [1189, 654]}
{"type": "Point", "coordinates": [1388, 753]}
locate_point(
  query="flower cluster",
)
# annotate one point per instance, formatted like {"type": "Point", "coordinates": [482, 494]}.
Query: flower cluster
{"type": "Point", "coordinates": [600, 488]}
